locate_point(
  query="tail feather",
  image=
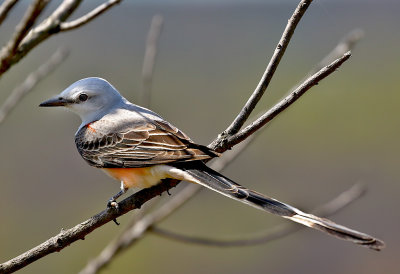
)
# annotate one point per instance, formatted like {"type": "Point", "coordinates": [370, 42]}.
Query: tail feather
{"type": "Point", "coordinates": [213, 180]}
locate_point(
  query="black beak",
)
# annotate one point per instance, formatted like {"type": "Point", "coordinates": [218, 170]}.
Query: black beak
{"type": "Point", "coordinates": [55, 102]}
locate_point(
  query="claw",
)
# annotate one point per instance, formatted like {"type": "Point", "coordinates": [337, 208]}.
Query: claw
{"type": "Point", "coordinates": [115, 221]}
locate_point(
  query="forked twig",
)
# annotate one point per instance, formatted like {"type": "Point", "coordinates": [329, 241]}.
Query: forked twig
{"type": "Point", "coordinates": [64, 26]}
{"type": "Point", "coordinates": [32, 13]}
{"type": "Point", "coordinates": [313, 80]}
{"type": "Point", "coordinates": [23, 42]}
{"type": "Point", "coordinates": [270, 70]}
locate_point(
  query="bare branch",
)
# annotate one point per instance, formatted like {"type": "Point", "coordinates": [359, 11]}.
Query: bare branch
{"type": "Point", "coordinates": [345, 45]}
{"type": "Point", "coordinates": [78, 232]}
{"type": "Point", "coordinates": [5, 8]}
{"type": "Point", "coordinates": [284, 103]}
{"type": "Point", "coordinates": [278, 232]}
{"type": "Point", "coordinates": [64, 26]}
{"type": "Point", "coordinates": [270, 70]}
{"type": "Point", "coordinates": [21, 30]}
{"type": "Point", "coordinates": [30, 82]}
{"type": "Point", "coordinates": [48, 27]}
{"type": "Point", "coordinates": [26, 24]}
{"type": "Point", "coordinates": [150, 58]}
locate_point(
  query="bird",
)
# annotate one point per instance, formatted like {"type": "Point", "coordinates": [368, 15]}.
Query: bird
{"type": "Point", "coordinates": [139, 148]}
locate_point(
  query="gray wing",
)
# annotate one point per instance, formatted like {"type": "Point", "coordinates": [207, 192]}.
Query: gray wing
{"type": "Point", "coordinates": [140, 145]}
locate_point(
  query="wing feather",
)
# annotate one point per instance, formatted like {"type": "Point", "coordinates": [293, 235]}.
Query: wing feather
{"type": "Point", "coordinates": [138, 145]}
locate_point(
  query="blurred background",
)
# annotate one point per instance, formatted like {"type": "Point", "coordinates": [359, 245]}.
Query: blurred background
{"type": "Point", "coordinates": [211, 56]}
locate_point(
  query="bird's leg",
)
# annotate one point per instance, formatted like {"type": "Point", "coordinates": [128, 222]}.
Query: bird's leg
{"type": "Point", "coordinates": [112, 202]}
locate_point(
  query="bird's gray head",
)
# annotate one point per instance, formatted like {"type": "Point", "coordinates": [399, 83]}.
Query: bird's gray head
{"type": "Point", "coordinates": [88, 98]}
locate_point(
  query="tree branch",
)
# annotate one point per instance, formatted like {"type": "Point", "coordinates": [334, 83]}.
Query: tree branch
{"type": "Point", "coordinates": [283, 104]}
{"type": "Point", "coordinates": [21, 30]}
{"type": "Point", "coordinates": [338, 203]}
{"type": "Point", "coordinates": [78, 232]}
{"type": "Point", "coordinates": [64, 26]}
{"type": "Point", "coordinates": [5, 8]}
{"type": "Point", "coordinates": [270, 70]}
{"type": "Point", "coordinates": [30, 82]}
{"type": "Point", "coordinates": [48, 27]}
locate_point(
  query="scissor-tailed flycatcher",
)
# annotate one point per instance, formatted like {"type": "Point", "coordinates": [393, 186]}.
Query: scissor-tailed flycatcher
{"type": "Point", "coordinates": [139, 148]}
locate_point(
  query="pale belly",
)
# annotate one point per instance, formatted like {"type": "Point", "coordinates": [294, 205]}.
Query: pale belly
{"type": "Point", "coordinates": [137, 177]}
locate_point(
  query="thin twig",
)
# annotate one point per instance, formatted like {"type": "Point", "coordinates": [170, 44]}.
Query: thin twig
{"type": "Point", "coordinates": [280, 231]}
{"type": "Point", "coordinates": [21, 30]}
{"type": "Point", "coordinates": [270, 70]}
{"type": "Point", "coordinates": [48, 27]}
{"type": "Point", "coordinates": [5, 8]}
{"type": "Point", "coordinates": [150, 58]}
{"type": "Point", "coordinates": [31, 81]}
{"type": "Point", "coordinates": [26, 24]}
{"type": "Point", "coordinates": [64, 26]}
{"type": "Point", "coordinates": [285, 103]}
{"type": "Point", "coordinates": [346, 44]}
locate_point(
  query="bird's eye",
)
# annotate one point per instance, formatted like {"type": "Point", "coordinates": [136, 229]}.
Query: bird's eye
{"type": "Point", "coordinates": [83, 97]}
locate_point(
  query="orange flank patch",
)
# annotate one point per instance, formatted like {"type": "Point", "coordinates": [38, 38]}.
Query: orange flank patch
{"type": "Point", "coordinates": [121, 173]}
{"type": "Point", "coordinates": [91, 128]}
{"type": "Point", "coordinates": [135, 177]}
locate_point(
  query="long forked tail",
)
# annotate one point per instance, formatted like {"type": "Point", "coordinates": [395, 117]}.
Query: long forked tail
{"type": "Point", "coordinates": [207, 177]}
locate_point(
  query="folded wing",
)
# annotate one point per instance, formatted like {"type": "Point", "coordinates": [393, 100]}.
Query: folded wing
{"type": "Point", "coordinates": [138, 145]}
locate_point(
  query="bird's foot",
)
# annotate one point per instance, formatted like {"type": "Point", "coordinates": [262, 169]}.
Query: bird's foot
{"type": "Point", "coordinates": [112, 204]}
